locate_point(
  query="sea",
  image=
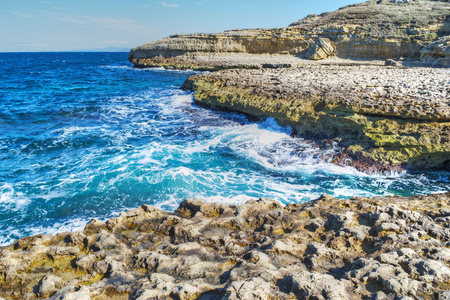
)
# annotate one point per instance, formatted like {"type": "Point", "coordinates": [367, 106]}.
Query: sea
{"type": "Point", "coordinates": [86, 135]}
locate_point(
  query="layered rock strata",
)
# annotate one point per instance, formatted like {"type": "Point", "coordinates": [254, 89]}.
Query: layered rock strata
{"type": "Point", "coordinates": [373, 29]}
{"type": "Point", "coordinates": [380, 248]}
{"type": "Point", "coordinates": [437, 53]}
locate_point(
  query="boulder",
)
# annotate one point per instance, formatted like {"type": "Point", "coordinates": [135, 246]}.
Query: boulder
{"type": "Point", "coordinates": [437, 54]}
{"type": "Point", "coordinates": [48, 285]}
{"type": "Point", "coordinates": [320, 49]}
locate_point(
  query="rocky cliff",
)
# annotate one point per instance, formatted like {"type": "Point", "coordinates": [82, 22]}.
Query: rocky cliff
{"type": "Point", "coordinates": [373, 29]}
{"type": "Point", "coordinates": [359, 248]}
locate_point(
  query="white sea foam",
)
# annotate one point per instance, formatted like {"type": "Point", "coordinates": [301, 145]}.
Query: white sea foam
{"type": "Point", "coordinates": [12, 199]}
{"type": "Point", "coordinates": [71, 225]}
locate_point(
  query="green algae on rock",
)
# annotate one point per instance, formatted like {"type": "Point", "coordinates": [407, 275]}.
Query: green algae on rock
{"type": "Point", "coordinates": [323, 249]}
{"type": "Point", "coordinates": [392, 115]}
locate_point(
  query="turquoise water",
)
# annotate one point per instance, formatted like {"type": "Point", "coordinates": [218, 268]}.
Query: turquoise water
{"type": "Point", "coordinates": [85, 135]}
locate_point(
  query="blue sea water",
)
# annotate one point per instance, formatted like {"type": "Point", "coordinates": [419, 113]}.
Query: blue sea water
{"type": "Point", "coordinates": [85, 135]}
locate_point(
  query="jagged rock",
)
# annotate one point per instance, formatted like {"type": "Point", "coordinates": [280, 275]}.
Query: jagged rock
{"type": "Point", "coordinates": [160, 285]}
{"type": "Point", "coordinates": [401, 285]}
{"type": "Point", "coordinates": [86, 262]}
{"type": "Point", "coordinates": [275, 252]}
{"type": "Point", "coordinates": [372, 29]}
{"type": "Point", "coordinates": [444, 295]}
{"type": "Point", "coordinates": [429, 270]}
{"type": "Point", "coordinates": [104, 240]}
{"type": "Point", "coordinates": [252, 289]}
{"type": "Point", "coordinates": [393, 63]}
{"type": "Point", "coordinates": [383, 116]}
{"type": "Point", "coordinates": [80, 293]}
{"type": "Point", "coordinates": [320, 49]}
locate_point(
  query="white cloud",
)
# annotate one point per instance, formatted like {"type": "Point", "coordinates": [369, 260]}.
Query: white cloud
{"type": "Point", "coordinates": [123, 24]}
{"type": "Point", "coordinates": [171, 5]}
{"type": "Point", "coordinates": [23, 15]}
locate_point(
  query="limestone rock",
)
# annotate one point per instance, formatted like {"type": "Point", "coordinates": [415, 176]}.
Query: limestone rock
{"type": "Point", "coordinates": [252, 289]}
{"type": "Point", "coordinates": [437, 54]}
{"type": "Point", "coordinates": [384, 117]}
{"type": "Point", "coordinates": [372, 29]}
{"type": "Point", "coordinates": [49, 284]}
{"type": "Point", "coordinates": [306, 285]}
{"type": "Point", "coordinates": [320, 49]}
{"type": "Point", "coordinates": [274, 252]}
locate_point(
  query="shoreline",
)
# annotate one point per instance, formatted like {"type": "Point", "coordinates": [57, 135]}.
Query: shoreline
{"type": "Point", "coordinates": [360, 247]}
{"type": "Point", "coordinates": [397, 118]}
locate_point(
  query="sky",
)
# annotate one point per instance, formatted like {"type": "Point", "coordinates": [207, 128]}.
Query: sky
{"type": "Point", "coordinates": [70, 25]}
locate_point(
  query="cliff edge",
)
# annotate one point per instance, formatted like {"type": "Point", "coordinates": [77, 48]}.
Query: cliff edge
{"type": "Point", "coordinates": [379, 29]}
{"type": "Point", "coordinates": [352, 75]}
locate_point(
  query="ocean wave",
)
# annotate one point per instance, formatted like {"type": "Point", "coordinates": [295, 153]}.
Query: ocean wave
{"type": "Point", "coordinates": [133, 137]}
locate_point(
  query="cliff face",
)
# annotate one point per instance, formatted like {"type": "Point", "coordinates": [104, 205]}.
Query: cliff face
{"type": "Point", "coordinates": [373, 29]}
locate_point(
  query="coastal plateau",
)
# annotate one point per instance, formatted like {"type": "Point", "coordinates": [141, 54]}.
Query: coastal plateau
{"type": "Point", "coordinates": [359, 248]}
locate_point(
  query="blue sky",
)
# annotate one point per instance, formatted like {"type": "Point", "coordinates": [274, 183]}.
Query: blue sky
{"type": "Point", "coordinates": [64, 25]}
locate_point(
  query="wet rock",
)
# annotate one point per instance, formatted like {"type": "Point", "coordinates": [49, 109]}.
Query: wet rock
{"type": "Point", "coordinates": [105, 240]}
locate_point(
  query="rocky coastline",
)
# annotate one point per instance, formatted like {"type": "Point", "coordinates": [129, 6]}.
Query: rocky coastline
{"type": "Point", "coordinates": [360, 75]}
{"type": "Point", "coordinates": [359, 248]}
{"type": "Point", "coordinates": [371, 77]}
{"type": "Point", "coordinates": [390, 115]}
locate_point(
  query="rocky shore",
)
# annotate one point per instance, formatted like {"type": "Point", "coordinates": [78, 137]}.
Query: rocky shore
{"type": "Point", "coordinates": [359, 248]}
{"type": "Point", "coordinates": [353, 76]}
{"type": "Point", "coordinates": [395, 116]}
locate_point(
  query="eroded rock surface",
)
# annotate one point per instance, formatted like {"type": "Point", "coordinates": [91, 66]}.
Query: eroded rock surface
{"type": "Point", "coordinates": [437, 54]}
{"type": "Point", "coordinates": [380, 248]}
